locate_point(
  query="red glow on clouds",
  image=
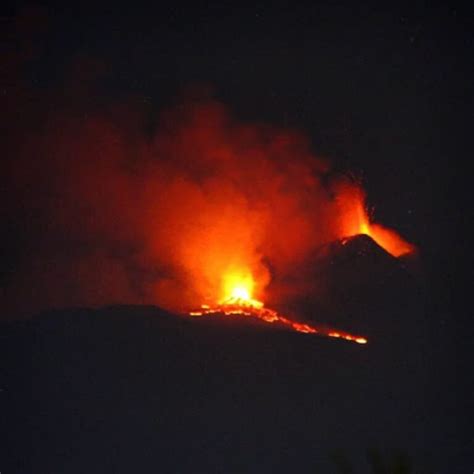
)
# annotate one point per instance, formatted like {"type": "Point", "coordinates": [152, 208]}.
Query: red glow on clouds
{"type": "Point", "coordinates": [114, 215]}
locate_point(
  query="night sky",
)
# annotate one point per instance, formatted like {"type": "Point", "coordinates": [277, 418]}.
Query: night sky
{"type": "Point", "coordinates": [385, 94]}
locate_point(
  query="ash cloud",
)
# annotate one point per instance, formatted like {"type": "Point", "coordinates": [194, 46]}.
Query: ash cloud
{"type": "Point", "coordinates": [108, 214]}
{"type": "Point", "coordinates": [100, 209]}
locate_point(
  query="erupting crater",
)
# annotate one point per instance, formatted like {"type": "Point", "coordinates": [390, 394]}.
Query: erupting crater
{"type": "Point", "coordinates": [237, 287]}
{"type": "Point", "coordinates": [240, 302]}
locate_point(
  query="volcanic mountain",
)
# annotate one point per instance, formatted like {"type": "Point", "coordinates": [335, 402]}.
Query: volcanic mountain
{"type": "Point", "coordinates": [138, 389]}
{"type": "Point", "coordinates": [353, 279]}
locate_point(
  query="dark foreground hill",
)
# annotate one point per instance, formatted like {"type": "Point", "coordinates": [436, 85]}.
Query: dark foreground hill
{"type": "Point", "coordinates": [136, 389]}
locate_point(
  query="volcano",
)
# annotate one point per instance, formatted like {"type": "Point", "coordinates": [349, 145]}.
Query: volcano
{"type": "Point", "coordinates": [354, 279]}
{"type": "Point", "coordinates": [352, 270]}
{"type": "Point", "coordinates": [137, 388]}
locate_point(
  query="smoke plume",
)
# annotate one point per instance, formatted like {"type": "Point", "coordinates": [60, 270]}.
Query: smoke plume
{"type": "Point", "coordinates": [102, 205]}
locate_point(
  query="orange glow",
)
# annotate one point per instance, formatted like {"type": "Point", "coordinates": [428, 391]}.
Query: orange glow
{"type": "Point", "coordinates": [247, 276]}
{"type": "Point", "coordinates": [238, 300]}
{"type": "Point", "coordinates": [355, 220]}
{"type": "Point", "coordinates": [240, 204]}
{"type": "Point", "coordinates": [202, 208]}
{"type": "Point", "coordinates": [238, 290]}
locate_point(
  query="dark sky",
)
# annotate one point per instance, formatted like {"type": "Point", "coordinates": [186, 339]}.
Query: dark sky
{"type": "Point", "coordinates": [385, 93]}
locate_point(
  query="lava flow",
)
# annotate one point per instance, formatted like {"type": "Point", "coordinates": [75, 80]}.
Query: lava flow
{"type": "Point", "coordinates": [240, 302]}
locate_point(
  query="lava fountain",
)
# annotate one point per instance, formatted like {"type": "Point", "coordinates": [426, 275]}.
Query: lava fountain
{"type": "Point", "coordinates": [355, 220]}
{"type": "Point", "coordinates": [203, 209]}
{"type": "Point", "coordinates": [237, 287]}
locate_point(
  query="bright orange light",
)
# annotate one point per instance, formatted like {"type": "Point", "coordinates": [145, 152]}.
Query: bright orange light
{"type": "Point", "coordinates": [238, 290]}
{"type": "Point", "coordinates": [237, 284]}
{"type": "Point", "coordinates": [355, 220]}
{"type": "Point", "coordinates": [238, 301]}
{"type": "Point", "coordinates": [240, 293]}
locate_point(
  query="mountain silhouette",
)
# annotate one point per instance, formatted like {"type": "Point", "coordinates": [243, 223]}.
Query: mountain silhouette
{"type": "Point", "coordinates": [139, 389]}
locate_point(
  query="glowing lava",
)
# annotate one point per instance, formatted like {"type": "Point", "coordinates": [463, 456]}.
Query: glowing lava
{"type": "Point", "coordinates": [356, 221]}
{"type": "Point", "coordinates": [352, 218]}
{"type": "Point", "coordinates": [238, 290]}
{"type": "Point", "coordinates": [240, 302]}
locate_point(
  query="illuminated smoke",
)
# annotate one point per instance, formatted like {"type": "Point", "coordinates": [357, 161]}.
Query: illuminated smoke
{"type": "Point", "coordinates": [111, 214]}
